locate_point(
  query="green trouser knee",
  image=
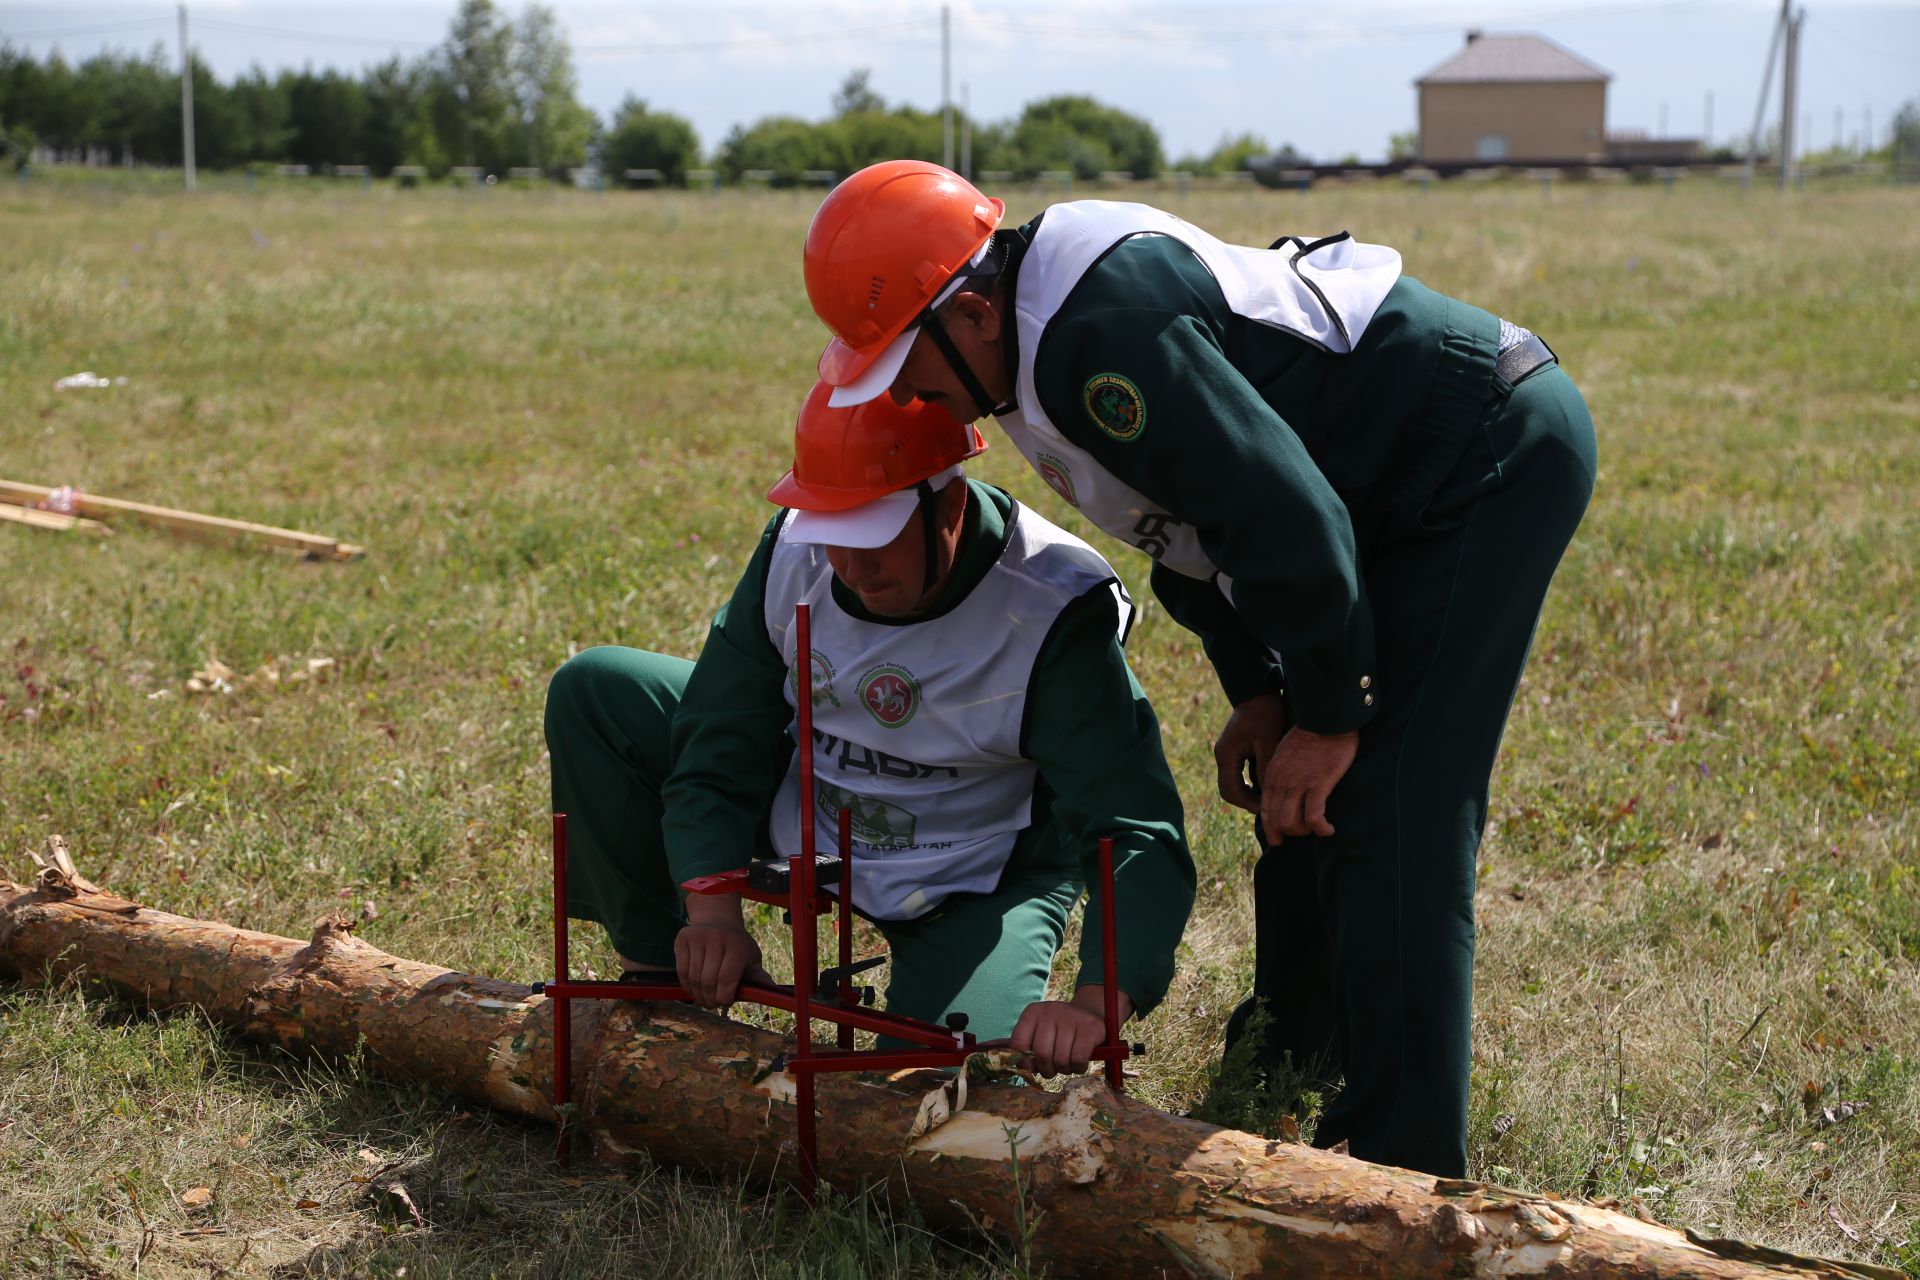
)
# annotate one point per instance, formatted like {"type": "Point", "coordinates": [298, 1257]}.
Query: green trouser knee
{"type": "Point", "coordinates": [609, 737]}
{"type": "Point", "coordinates": [985, 955]}
{"type": "Point", "coordinates": [608, 722]}
{"type": "Point", "coordinates": [1364, 939]}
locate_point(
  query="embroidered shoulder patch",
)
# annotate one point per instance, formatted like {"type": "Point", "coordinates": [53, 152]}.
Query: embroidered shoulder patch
{"type": "Point", "coordinates": [1115, 405]}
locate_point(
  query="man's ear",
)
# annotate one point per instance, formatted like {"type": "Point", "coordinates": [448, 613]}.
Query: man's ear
{"type": "Point", "coordinates": [977, 313]}
{"type": "Point", "coordinates": [953, 503]}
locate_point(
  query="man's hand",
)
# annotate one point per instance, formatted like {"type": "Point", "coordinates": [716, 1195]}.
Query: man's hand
{"type": "Point", "coordinates": [1062, 1035]}
{"type": "Point", "coordinates": [715, 951]}
{"type": "Point", "coordinates": [1299, 777]}
{"type": "Point", "coordinates": [1246, 744]}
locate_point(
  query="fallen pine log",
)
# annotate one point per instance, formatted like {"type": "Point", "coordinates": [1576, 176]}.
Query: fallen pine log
{"type": "Point", "coordinates": [1116, 1186]}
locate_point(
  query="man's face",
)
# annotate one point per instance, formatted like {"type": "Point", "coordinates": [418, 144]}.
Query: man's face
{"type": "Point", "coordinates": [927, 376]}
{"type": "Point", "coordinates": [889, 579]}
{"type": "Point", "coordinates": [974, 325]}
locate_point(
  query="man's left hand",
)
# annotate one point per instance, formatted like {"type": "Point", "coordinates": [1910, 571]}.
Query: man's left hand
{"type": "Point", "coordinates": [1062, 1035]}
{"type": "Point", "coordinates": [1301, 774]}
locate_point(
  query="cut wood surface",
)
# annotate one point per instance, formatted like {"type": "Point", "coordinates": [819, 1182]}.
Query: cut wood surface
{"type": "Point", "coordinates": [189, 523]}
{"type": "Point", "coordinates": [1122, 1189]}
{"type": "Point", "coordinates": [51, 520]}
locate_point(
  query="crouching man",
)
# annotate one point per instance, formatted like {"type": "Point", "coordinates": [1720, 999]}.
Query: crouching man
{"type": "Point", "coordinates": [972, 710]}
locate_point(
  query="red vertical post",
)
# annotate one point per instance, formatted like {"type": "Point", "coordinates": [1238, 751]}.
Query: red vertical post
{"type": "Point", "coordinates": [562, 1007]}
{"type": "Point", "coordinates": [846, 919]}
{"type": "Point", "coordinates": [1110, 964]}
{"type": "Point", "coordinates": [801, 906]}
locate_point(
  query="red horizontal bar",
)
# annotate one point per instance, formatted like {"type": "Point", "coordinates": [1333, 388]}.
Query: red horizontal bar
{"type": "Point", "coordinates": [878, 1021]}
{"type": "Point", "coordinates": [940, 1050]}
{"type": "Point", "coordinates": [877, 1060]}
{"type": "Point", "coordinates": [588, 989]}
{"type": "Point", "coordinates": [900, 1060]}
{"type": "Point", "coordinates": [736, 882]}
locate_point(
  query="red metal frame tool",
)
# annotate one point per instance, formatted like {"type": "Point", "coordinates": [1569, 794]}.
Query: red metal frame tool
{"type": "Point", "coordinates": [848, 1006]}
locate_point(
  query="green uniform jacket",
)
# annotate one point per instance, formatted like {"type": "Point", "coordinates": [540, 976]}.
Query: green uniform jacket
{"type": "Point", "coordinates": [1091, 733]}
{"type": "Point", "coordinates": [1287, 459]}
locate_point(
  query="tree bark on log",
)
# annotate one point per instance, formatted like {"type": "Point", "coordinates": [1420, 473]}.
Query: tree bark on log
{"type": "Point", "coordinates": [1118, 1187]}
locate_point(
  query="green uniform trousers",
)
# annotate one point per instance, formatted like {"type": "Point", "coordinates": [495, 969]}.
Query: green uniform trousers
{"type": "Point", "coordinates": [1364, 946]}
{"type": "Point", "coordinates": [609, 735]}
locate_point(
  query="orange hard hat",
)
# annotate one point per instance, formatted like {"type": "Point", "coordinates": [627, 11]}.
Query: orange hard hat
{"type": "Point", "coordinates": [882, 246]}
{"type": "Point", "coordinates": [844, 458]}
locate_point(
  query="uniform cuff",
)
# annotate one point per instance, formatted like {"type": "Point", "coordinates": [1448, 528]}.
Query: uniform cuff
{"type": "Point", "coordinates": [1319, 708]}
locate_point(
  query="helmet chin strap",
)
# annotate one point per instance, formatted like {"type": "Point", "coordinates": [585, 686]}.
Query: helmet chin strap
{"type": "Point", "coordinates": [983, 404]}
{"type": "Point", "coordinates": [927, 530]}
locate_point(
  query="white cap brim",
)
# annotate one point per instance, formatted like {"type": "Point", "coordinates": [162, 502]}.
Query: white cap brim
{"type": "Point", "coordinates": [869, 525]}
{"type": "Point", "coordinates": [879, 375]}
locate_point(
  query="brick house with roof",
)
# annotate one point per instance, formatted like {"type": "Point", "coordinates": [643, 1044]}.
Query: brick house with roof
{"type": "Point", "coordinates": [1513, 99]}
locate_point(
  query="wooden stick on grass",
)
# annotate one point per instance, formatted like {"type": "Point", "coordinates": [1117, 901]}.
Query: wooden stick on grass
{"type": "Point", "coordinates": [189, 524]}
{"type": "Point", "coordinates": [51, 520]}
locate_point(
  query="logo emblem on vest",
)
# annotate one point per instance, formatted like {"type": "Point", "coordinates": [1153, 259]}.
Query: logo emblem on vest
{"type": "Point", "coordinates": [1057, 475]}
{"type": "Point", "coordinates": [1115, 405]}
{"type": "Point", "coordinates": [890, 694]}
{"type": "Point", "coordinates": [822, 680]}
{"type": "Point", "coordinates": [874, 823]}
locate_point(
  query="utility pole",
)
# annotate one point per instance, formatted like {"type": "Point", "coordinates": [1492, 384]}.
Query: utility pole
{"type": "Point", "coordinates": [1766, 88]}
{"type": "Point", "coordinates": [946, 86]}
{"type": "Point", "coordinates": [186, 97]}
{"type": "Point", "coordinates": [966, 132]}
{"type": "Point", "coordinates": [1789, 86]}
{"type": "Point", "coordinates": [1706, 129]}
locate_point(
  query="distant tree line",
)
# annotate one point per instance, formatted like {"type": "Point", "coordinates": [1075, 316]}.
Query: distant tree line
{"type": "Point", "coordinates": [1070, 133]}
{"type": "Point", "coordinates": [501, 93]}
{"type": "Point", "coordinates": [498, 93]}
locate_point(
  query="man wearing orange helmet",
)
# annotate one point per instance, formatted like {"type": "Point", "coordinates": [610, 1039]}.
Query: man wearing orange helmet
{"type": "Point", "coordinates": [972, 710]}
{"type": "Point", "coordinates": [1354, 489]}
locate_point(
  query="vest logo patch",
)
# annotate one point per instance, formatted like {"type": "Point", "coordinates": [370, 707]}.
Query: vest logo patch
{"type": "Point", "coordinates": [1058, 475]}
{"type": "Point", "coordinates": [874, 823]}
{"type": "Point", "coordinates": [822, 681]}
{"type": "Point", "coordinates": [1115, 405]}
{"type": "Point", "coordinates": [890, 694]}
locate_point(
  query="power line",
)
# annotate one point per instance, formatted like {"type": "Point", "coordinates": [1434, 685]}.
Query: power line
{"type": "Point", "coordinates": [102, 28]}
{"type": "Point", "coordinates": [1905, 59]}
{"type": "Point", "coordinates": [685, 46]}
{"type": "Point", "coordinates": [1174, 30]}
{"type": "Point", "coordinates": [745, 42]}
{"type": "Point", "coordinates": [1836, 68]}
{"type": "Point", "coordinates": [311, 37]}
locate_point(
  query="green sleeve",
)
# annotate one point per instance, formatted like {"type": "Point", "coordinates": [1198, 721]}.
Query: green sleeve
{"type": "Point", "coordinates": [1096, 743]}
{"type": "Point", "coordinates": [1244, 665]}
{"type": "Point", "coordinates": [730, 741]}
{"type": "Point", "coordinates": [1214, 454]}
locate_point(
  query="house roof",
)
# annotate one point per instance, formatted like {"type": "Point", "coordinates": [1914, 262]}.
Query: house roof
{"type": "Point", "coordinates": [1511, 58]}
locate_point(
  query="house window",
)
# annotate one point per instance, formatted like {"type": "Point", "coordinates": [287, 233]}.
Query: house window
{"type": "Point", "coordinates": [1492, 146]}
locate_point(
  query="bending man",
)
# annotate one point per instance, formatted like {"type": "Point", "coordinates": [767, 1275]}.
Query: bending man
{"type": "Point", "coordinates": [1354, 489]}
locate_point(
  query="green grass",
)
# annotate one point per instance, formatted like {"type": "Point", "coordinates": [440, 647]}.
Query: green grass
{"type": "Point", "coordinates": [551, 417]}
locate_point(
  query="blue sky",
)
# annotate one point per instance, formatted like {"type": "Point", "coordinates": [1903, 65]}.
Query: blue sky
{"type": "Point", "coordinates": [1332, 79]}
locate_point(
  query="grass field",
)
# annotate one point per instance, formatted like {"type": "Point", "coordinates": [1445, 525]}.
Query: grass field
{"type": "Point", "coordinates": [551, 417]}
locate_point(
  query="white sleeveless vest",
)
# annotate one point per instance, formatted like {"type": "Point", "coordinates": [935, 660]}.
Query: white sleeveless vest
{"type": "Point", "coordinates": [1324, 292]}
{"type": "Point", "coordinates": [917, 726]}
